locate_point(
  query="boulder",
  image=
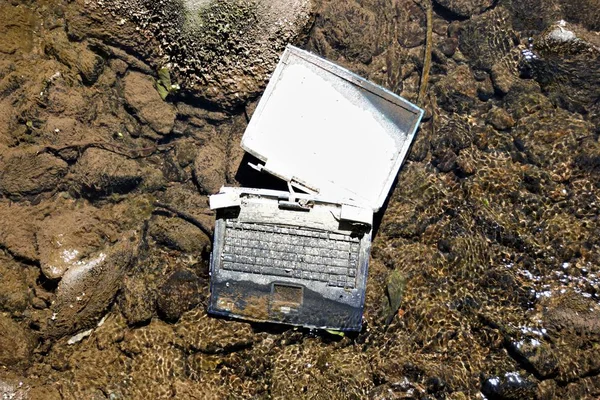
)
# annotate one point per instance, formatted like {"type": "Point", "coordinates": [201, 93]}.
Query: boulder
{"type": "Point", "coordinates": [100, 172]}
{"type": "Point", "coordinates": [27, 172]}
{"type": "Point", "coordinates": [180, 293]}
{"type": "Point", "coordinates": [87, 289]}
{"type": "Point", "coordinates": [15, 352]}
{"type": "Point", "coordinates": [224, 51]}
{"type": "Point", "coordinates": [144, 100]}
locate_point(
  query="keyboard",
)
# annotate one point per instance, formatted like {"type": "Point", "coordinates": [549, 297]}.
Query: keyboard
{"type": "Point", "coordinates": [292, 252]}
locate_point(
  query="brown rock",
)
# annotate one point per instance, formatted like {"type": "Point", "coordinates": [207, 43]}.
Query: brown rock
{"type": "Point", "coordinates": [16, 343]}
{"type": "Point", "coordinates": [17, 230]}
{"type": "Point", "coordinates": [500, 119]}
{"type": "Point", "coordinates": [86, 290]}
{"type": "Point", "coordinates": [210, 168]}
{"type": "Point", "coordinates": [101, 172]}
{"type": "Point", "coordinates": [25, 172]}
{"type": "Point", "coordinates": [64, 239]}
{"type": "Point", "coordinates": [75, 55]}
{"type": "Point", "coordinates": [465, 8]}
{"type": "Point", "coordinates": [137, 300]}
{"type": "Point", "coordinates": [180, 293]}
{"type": "Point", "coordinates": [178, 234]}
{"type": "Point", "coordinates": [143, 98]}
{"type": "Point", "coordinates": [14, 291]}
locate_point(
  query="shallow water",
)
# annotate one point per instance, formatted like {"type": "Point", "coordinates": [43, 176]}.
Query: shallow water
{"type": "Point", "coordinates": [492, 224]}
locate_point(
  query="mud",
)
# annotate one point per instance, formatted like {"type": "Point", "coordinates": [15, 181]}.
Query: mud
{"type": "Point", "coordinates": [485, 272]}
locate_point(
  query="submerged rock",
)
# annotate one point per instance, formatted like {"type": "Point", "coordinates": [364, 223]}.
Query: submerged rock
{"type": "Point", "coordinates": [16, 343]}
{"type": "Point", "coordinates": [65, 240]}
{"type": "Point", "coordinates": [144, 100]}
{"type": "Point", "coordinates": [27, 172]}
{"type": "Point", "coordinates": [100, 172]}
{"type": "Point", "coordinates": [86, 289]}
{"type": "Point", "coordinates": [465, 8]}
{"type": "Point", "coordinates": [567, 66]}
{"type": "Point", "coordinates": [180, 293]}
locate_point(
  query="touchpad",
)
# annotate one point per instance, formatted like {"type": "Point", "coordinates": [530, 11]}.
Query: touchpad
{"type": "Point", "coordinates": [286, 298]}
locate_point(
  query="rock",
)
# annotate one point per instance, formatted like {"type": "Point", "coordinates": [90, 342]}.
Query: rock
{"type": "Point", "coordinates": [500, 119]}
{"type": "Point", "coordinates": [178, 234]}
{"type": "Point", "coordinates": [446, 162]}
{"type": "Point", "coordinates": [223, 52]}
{"type": "Point", "coordinates": [100, 172]}
{"type": "Point", "coordinates": [65, 239]}
{"type": "Point", "coordinates": [86, 290]}
{"type": "Point", "coordinates": [327, 370]}
{"type": "Point", "coordinates": [137, 300]}
{"type": "Point", "coordinates": [448, 46]}
{"type": "Point", "coordinates": [180, 293]}
{"type": "Point", "coordinates": [502, 80]}
{"type": "Point", "coordinates": [75, 55]}
{"type": "Point", "coordinates": [142, 97]}
{"type": "Point", "coordinates": [538, 356]}
{"type": "Point", "coordinates": [25, 172]}
{"type": "Point", "coordinates": [465, 8]}
{"type": "Point", "coordinates": [566, 64]}
{"type": "Point", "coordinates": [511, 386]}
{"type": "Point", "coordinates": [395, 285]}
{"type": "Point", "coordinates": [17, 230]}
{"type": "Point", "coordinates": [16, 343]}
{"type": "Point", "coordinates": [14, 290]}
{"type": "Point", "coordinates": [457, 92]}
{"type": "Point", "coordinates": [15, 28]}
{"type": "Point", "coordinates": [210, 168]}
{"type": "Point", "coordinates": [199, 332]}
{"type": "Point", "coordinates": [486, 39]}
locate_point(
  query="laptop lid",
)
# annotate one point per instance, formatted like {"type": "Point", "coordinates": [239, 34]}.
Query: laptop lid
{"type": "Point", "coordinates": [328, 131]}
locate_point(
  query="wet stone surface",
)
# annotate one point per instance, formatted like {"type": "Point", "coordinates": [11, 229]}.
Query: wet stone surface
{"type": "Point", "coordinates": [484, 277]}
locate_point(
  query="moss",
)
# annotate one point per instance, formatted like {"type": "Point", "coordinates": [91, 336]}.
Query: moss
{"type": "Point", "coordinates": [218, 28]}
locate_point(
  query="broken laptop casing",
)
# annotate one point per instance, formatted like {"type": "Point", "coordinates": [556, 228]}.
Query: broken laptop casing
{"type": "Point", "coordinates": [300, 256]}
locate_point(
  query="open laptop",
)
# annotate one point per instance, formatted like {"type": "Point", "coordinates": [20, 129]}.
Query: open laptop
{"type": "Point", "coordinates": [301, 256]}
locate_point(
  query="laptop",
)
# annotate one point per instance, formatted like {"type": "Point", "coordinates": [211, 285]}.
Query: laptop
{"type": "Point", "coordinates": [300, 256]}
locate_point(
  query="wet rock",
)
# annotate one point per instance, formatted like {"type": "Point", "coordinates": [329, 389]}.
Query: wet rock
{"type": "Point", "coordinates": [457, 92]}
{"type": "Point", "coordinates": [75, 55]}
{"type": "Point", "coordinates": [210, 167]}
{"type": "Point", "coordinates": [100, 172]}
{"type": "Point", "coordinates": [137, 300]}
{"type": "Point", "coordinates": [16, 25]}
{"type": "Point", "coordinates": [395, 286]}
{"type": "Point", "coordinates": [448, 46]}
{"type": "Point", "coordinates": [567, 67]}
{"type": "Point", "coordinates": [16, 343]}
{"type": "Point", "coordinates": [511, 386]}
{"type": "Point", "coordinates": [446, 161]}
{"type": "Point", "coordinates": [65, 239]}
{"type": "Point", "coordinates": [200, 332]}
{"type": "Point", "coordinates": [142, 97]}
{"type": "Point", "coordinates": [500, 119]}
{"type": "Point", "coordinates": [465, 8]}
{"type": "Point", "coordinates": [537, 355]}
{"type": "Point", "coordinates": [488, 38]}
{"type": "Point", "coordinates": [180, 293]}
{"type": "Point", "coordinates": [86, 290]}
{"type": "Point", "coordinates": [27, 172]}
{"type": "Point", "coordinates": [18, 226]}
{"type": "Point", "coordinates": [178, 234]}
{"type": "Point", "coordinates": [502, 79]}
{"type": "Point", "coordinates": [223, 51]}
{"type": "Point", "coordinates": [14, 289]}
{"type": "Point", "coordinates": [327, 370]}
